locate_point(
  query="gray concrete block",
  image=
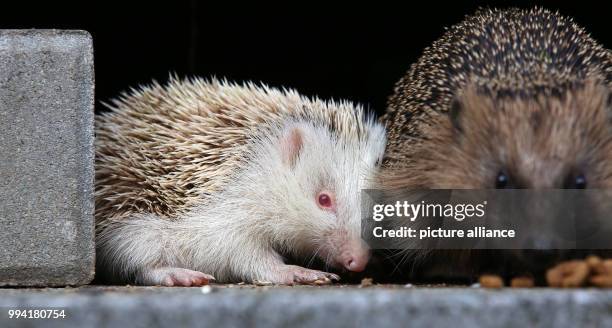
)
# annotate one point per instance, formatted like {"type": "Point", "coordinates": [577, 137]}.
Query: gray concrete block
{"type": "Point", "coordinates": [312, 307]}
{"type": "Point", "coordinates": [46, 158]}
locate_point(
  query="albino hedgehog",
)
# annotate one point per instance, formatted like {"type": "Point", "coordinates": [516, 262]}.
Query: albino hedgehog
{"type": "Point", "coordinates": [200, 178]}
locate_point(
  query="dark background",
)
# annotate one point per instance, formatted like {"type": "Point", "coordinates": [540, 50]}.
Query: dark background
{"type": "Point", "coordinates": [355, 51]}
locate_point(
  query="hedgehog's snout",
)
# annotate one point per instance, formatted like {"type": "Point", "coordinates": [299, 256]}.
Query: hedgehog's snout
{"type": "Point", "coordinates": [354, 256]}
{"type": "Point", "coordinates": [355, 262]}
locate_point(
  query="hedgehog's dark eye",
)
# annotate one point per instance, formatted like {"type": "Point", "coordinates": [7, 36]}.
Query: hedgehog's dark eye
{"type": "Point", "coordinates": [576, 181]}
{"type": "Point", "coordinates": [502, 180]}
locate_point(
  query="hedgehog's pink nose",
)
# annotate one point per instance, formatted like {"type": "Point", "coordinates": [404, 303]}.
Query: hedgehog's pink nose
{"type": "Point", "coordinates": [355, 262]}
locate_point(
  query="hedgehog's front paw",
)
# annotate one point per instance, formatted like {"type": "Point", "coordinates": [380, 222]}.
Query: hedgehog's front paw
{"type": "Point", "coordinates": [176, 277]}
{"type": "Point", "coordinates": [293, 274]}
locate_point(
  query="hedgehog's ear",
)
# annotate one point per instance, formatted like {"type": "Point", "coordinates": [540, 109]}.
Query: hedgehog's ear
{"type": "Point", "coordinates": [454, 113]}
{"type": "Point", "coordinates": [608, 105]}
{"type": "Point", "coordinates": [291, 145]}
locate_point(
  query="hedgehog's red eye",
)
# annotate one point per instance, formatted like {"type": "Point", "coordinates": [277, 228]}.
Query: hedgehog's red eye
{"type": "Point", "coordinates": [325, 200]}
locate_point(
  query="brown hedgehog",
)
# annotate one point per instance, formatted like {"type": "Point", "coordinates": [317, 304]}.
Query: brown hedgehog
{"type": "Point", "coordinates": [505, 99]}
{"type": "Point", "coordinates": [207, 177]}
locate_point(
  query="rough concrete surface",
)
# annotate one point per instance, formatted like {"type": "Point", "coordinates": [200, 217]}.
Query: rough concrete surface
{"type": "Point", "coordinates": [46, 157]}
{"type": "Point", "coordinates": [311, 307]}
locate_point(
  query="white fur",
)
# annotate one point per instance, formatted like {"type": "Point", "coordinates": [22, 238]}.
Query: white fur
{"type": "Point", "coordinates": [267, 210]}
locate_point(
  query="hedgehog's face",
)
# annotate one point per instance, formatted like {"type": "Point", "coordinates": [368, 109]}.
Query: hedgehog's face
{"type": "Point", "coordinates": [550, 142]}
{"type": "Point", "coordinates": [321, 190]}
